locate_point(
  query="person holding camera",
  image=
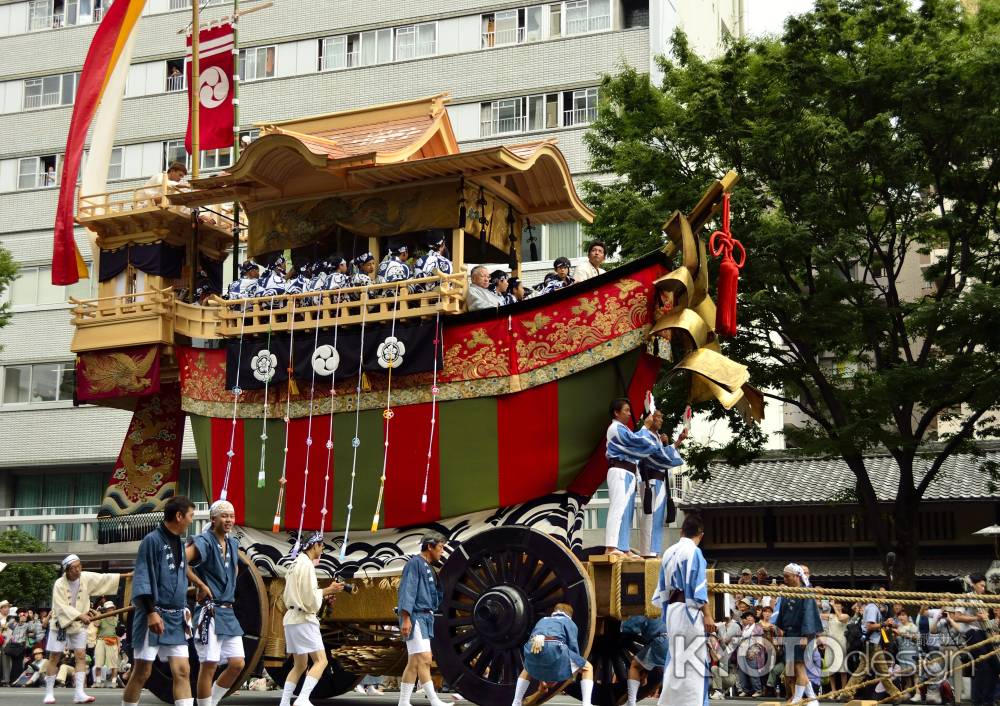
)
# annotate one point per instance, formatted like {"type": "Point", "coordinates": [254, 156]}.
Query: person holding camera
{"type": "Point", "coordinates": [419, 597]}
{"type": "Point", "coordinates": [213, 562]}
{"type": "Point", "coordinates": [303, 601]}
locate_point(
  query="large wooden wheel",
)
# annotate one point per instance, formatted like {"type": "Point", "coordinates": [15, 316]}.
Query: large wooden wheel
{"type": "Point", "coordinates": [611, 655]}
{"type": "Point", "coordinates": [251, 610]}
{"type": "Point", "coordinates": [335, 680]}
{"type": "Point", "coordinates": [496, 585]}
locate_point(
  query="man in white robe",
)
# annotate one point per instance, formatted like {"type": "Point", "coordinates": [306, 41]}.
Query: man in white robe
{"type": "Point", "coordinates": [682, 594]}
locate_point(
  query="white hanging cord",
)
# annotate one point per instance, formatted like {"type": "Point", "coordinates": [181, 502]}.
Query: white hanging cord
{"type": "Point", "coordinates": [288, 408]}
{"type": "Point", "coordinates": [356, 442]}
{"type": "Point", "coordinates": [261, 475]}
{"type": "Point", "coordinates": [388, 415]}
{"type": "Point", "coordinates": [434, 395]}
{"type": "Point", "coordinates": [309, 442]}
{"type": "Point", "coordinates": [329, 438]}
{"type": "Point", "coordinates": [224, 494]}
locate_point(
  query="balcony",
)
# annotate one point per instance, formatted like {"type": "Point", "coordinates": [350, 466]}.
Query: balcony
{"type": "Point", "coordinates": [503, 37]}
{"type": "Point", "coordinates": [583, 25]}
{"type": "Point", "coordinates": [42, 100]}
{"type": "Point", "coordinates": [175, 83]}
{"type": "Point", "coordinates": [341, 61]}
{"type": "Point", "coordinates": [121, 321]}
{"type": "Point", "coordinates": [414, 51]}
{"type": "Point", "coordinates": [579, 116]}
{"type": "Point", "coordinates": [502, 126]}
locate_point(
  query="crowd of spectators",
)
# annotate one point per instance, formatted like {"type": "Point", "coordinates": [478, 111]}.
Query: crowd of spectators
{"type": "Point", "coordinates": [905, 645]}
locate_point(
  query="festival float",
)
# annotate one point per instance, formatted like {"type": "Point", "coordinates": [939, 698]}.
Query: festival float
{"type": "Point", "coordinates": [377, 413]}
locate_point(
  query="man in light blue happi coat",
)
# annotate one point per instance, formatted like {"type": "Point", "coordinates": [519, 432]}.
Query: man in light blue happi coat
{"type": "Point", "coordinates": [419, 597]}
{"type": "Point", "coordinates": [552, 655]}
{"type": "Point", "coordinates": [656, 481]}
{"type": "Point", "coordinates": [682, 595]}
{"type": "Point", "coordinates": [625, 449]}
{"type": "Point", "coordinates": [213, 557]}
{"type": "Point", "coordinates": [159, 594]}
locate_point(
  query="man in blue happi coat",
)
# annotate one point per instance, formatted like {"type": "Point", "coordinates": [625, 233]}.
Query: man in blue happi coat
{"type": "Point", "coordinates": [800, 621]}
{"type": "Point", "coordinates": [651, 632]}
{"type": "Point", "coordinates": [655, 474]}
{"type": "Point", "coordinates": [625, 449]}
{"type": "Point", "coordinates": [682, 596]}
{"type": "Point", "coordinates": [159, 594]}
{"type": "Point", "coordinates": [552, 655]}
{"type": "Point", "coordinates": [419, 597]}
{"type": "Point", "coordinates": [213, 561]}
{"type": "Point", "coordinates": [434, 262]}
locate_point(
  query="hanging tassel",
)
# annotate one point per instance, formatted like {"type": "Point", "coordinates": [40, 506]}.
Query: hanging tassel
{"type": "Point", "coordinates": [461, 203]}
{"type": "Point", "coordinates": [723, 243]}
{"type": "Point", "coordinates": [276, 527]}
{"type": "Point", "coordinates": [366, 385]}
{"type": "Point", "coordinates": [375, 523]}
{"type": "Point", "coordinates": [292, 385]}
{"type": "Point", "coordinates": [533, 248]}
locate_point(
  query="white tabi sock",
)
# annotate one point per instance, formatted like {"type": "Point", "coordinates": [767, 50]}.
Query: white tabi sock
{"type": "Point", "coordinates": [129, 703]}
{"type": "Point", "coordinates": [80, 680]}
{"type": "Point", "coordinates": [50, 685]}
{"type": "Point", "coordinates": [586, 689]}
{"type": "Point", "coordinates": [633, 691]}
{"type": "Point", "coordinates": [520, 690]}
{"type": "Point", "coordinates": [204, 701]}
{"type": "Point", "coordinates": [286, 693]}
{"type": "Point", "coordinates": [799, 691]}
{"type": "Point", "coordinates": [428, 688]}
{"type": "Point", "coordinates": [405, 690]}
{"type": "Point", "coordinates": [184, 702]}
{"type": "Point", "coordinates": [307, 686]}
{"type": "Point", "coordinates": [218, 692]}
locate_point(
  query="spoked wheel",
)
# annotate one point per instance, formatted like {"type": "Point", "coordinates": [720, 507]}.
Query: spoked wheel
{"type": "Point", "coordinates": [611, 655]}
{"type": "Point", "coordinates": [251, 610]}
{"type": "Point", "coordinates": [496, 586]}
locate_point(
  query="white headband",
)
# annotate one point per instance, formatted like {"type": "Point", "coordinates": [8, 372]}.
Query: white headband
{"type": "Point", "coordinates": [794, 569]}
{"type": "Point", "coordinates": [69, 560]}
{"type": "Point", "coordinates": [220, 506]}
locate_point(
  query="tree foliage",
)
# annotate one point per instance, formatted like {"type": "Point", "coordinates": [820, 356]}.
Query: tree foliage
{"type": "Point", "coordinates": [8, 271]}
{"type": "Point", "coordinates": [867, 139]}
{"type": "Point", "coordinates": [25, 584]}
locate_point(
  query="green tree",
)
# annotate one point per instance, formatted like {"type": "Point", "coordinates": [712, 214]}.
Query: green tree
{"type": "Point", "coordinates": [867, 138]}
{"type": "Point", "coordinates": [25, 584]}
{"type": "Point", "coordinates": [8, 272]}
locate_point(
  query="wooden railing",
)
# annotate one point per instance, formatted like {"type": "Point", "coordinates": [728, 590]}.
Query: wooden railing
{"type": "Point", "coordinates": [138, 199]}
{"type": "Point", "coordinates": [156, 315]}
{"type": "Point", "coordinates": [351, 305]}
{"type": "Point", "coordinates": [122, 307]}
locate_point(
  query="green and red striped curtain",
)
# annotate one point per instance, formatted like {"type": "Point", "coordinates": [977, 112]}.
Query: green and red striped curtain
{"type": "Point", "coordinates": [487, 452]}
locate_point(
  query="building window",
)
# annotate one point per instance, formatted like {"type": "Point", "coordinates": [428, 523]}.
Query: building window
{"type": "Point", "coordinates": [256, 63]}
{"type": "Point", "coordinates": [216, 159]}
{"type": "Point", "coordinates": [41, 382]}
{"type": "Point", "coordinates": [563, 240]}
{"type": "Point", "coordinates": [176, 78]}
{"type": "Point", "coordinates": [60, 494]}
{"type": "Point", "coordinates": [50, 91]}
{"type": "Point", "coordinates": [115, 164]}
{"type": "Point", "coordinates": [416, 41]}
{"type": "Point", "coordinates": [248, 136]}
{"type": "Point", "coordinates": [376, 47]}
{"type": "Point", "coordinates": [35, 172]}
{"type": "Point", "coordinates": [46, 14]}
{"type": "Point", "coordinates": [543, 111]}
{"type": "Point", "coordinates": [185, 4]}
{"type": "Point", "coordinates": [33, 287]}
{"type": "Point", "coordinates": [502, 117]}
{"type": "Point", "coordinates": [174, 151]}
{"type": "Point", "coordinates": [580, 107]}
{"type": "Point", "coordinates": [588, 16]}
{"type": "Point", "coordinates": [511, 27]}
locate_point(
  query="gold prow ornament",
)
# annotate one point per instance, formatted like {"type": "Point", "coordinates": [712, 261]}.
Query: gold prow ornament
{"type": "Point", "coordinates": [687, 314]}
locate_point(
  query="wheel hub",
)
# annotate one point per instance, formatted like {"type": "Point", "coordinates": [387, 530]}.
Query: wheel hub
{"type": "Point", "coordinates": [501, 616]}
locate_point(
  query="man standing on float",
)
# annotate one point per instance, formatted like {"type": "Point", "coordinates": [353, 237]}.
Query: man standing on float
{"type": "Point", "coordinates": [212, 565]}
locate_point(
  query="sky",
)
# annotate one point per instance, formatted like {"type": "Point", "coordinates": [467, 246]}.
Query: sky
{"type": "Point", "coordinates": [768, 16]}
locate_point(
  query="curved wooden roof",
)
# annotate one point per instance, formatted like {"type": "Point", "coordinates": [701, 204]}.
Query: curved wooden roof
{"type": "Point", "coordinates": [388, 146]}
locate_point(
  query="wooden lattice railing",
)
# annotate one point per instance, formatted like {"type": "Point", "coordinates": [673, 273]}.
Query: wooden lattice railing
{"type": "Point", "coordinates": [122, 307]}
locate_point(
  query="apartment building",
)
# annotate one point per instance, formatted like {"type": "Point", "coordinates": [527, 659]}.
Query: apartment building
{"type": "Point", "coordinates": [516, 72]}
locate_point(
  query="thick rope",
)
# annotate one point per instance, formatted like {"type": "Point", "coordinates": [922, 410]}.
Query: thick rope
{"type": "Point", "coordinates": [948, 670]}
{"type": "Point", "coordinates": [967, 599]}
{"type": "Point", "coordinates": [261, 474]}
{"type": "Point", "coordinates": [224, 493]}
{"type": "Point", "coordinates": [388, 414]}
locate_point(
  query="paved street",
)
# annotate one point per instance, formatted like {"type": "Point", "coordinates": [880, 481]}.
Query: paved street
{"type": "Point", "coordinates": [112, 697]}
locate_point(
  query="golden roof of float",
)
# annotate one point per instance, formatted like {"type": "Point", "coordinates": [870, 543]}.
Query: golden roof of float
{"type": "Point", "coordinates": [387, 146]}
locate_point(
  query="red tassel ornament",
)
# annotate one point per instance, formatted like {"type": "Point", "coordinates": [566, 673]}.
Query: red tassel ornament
{"type": "Point", "coordinates": [723, 243]}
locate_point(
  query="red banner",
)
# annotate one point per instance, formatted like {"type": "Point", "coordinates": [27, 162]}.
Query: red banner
{"type": "Point", "coordinates": [215, 88]}
{"type": "Point", "coordinates": [129, 372]}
